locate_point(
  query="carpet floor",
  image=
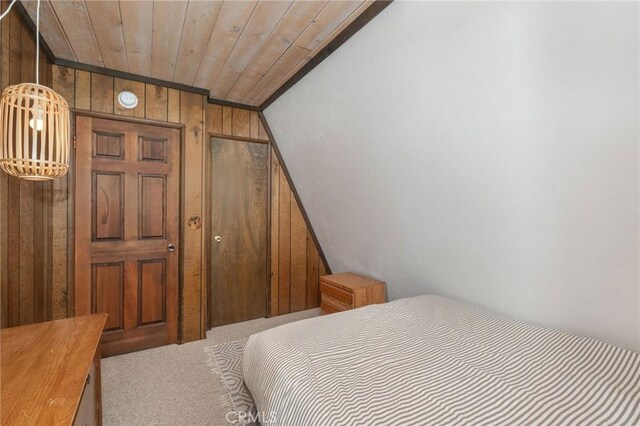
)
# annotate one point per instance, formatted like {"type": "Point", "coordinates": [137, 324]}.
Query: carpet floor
{"type": "Point", "coordinates": [172, 385]}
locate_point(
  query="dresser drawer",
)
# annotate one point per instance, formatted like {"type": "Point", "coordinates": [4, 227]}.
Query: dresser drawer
{"type": "Point", "coordinates": [327, 299]}
{"type": "Point", "coordinates": [337, 293]}
{"type": "Point", "coordinates": [329, 309]}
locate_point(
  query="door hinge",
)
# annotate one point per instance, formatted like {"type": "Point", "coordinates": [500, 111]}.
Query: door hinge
{"type": "Point", "coordinates": [74, 141]}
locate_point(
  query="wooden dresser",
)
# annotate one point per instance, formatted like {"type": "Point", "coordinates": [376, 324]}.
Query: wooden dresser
{"type": "Point", "coordinates": [51, 372]}
{"type": "Point", "coordinates": [341, 292]}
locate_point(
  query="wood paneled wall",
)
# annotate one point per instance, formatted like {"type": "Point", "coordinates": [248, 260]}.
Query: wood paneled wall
{"type": "Point", "coordinates": [98, 93]}
{"type": "Point", "coordinates": [36, 232]}
{"type": "Point", "coordinates": [294, 263]}
{"type": "Point", "coordinates": [25, 207]}
{"type": "Point", "coordinates": [231, 122]}
{"type": "Point", "coordinates": [296, 266]}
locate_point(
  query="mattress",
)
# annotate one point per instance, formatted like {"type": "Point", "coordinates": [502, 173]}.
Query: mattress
{"type": "Point", "coordinates": [429, 360]}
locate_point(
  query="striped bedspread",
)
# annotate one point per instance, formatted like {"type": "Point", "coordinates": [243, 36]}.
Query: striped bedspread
{"type": "Point", "coordinates": [429, 360]}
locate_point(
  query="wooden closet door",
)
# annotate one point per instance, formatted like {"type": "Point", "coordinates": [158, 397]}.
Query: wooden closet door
{"type": "Point", "coordinates": [126, 225]}
{"type": "Point", "coordinates": [238, 246]}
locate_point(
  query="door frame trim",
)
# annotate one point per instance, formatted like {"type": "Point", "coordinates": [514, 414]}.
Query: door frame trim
{"type": "Point", "coordinates": [71, 202]}
{"type": "Point", "coordinates": [206, 188]}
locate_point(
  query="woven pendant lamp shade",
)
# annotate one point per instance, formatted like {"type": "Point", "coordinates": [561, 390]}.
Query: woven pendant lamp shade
{"type": "Point", "coordinates": [34, 137]}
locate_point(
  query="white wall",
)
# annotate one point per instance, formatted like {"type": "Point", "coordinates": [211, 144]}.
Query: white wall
{"type": "Point", "coordinates": [483, 151]}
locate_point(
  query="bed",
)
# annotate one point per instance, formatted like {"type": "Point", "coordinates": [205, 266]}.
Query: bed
{"type": "Point", "coordinates": [432, 360]}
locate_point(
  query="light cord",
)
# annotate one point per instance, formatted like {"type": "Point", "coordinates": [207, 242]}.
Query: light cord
{"type": "Point", "coordinates": [8, 9]}
{"type": "Point", "coordinates": [38, 42]}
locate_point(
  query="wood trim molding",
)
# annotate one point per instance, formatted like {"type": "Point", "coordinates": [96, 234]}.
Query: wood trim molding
{"type": "Point", "coordinates": [366, 16]}
{"type": "Point", "coordinates": [150, 80]}
{"type": "Point", "coordinates": [128, 76]}
{"type": "Point", "coordinates": [128, 119]}
{"type": "Point", "coordinates": [233, 104]}
{"type": "Point", "coordinates": [294, 191]}
{"type": "Point", "coordinates": [237, 138]}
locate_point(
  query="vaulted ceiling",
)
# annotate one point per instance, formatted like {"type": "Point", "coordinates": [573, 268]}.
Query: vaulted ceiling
{"type": "Point", "coordinates": [241, 51]}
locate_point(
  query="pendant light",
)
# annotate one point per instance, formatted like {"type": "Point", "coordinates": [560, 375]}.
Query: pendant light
{"type": "Point", "coordinates": [34, 127]}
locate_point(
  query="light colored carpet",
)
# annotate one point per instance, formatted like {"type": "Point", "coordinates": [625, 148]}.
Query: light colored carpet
{"type": "Point", "coordinates": [172, 385]}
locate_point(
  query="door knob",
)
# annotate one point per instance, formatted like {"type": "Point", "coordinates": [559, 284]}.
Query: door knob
{"type": "Point", "coordinates": [171, 248]}
{"type": "Point", "coordinates": [217, 239]}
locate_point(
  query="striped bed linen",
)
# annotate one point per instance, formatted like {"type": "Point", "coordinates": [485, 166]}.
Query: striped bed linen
{"type": "Point", "coordinates": [429, 360]}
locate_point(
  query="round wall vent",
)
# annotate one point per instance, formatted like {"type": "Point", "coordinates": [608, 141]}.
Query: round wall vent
{"type": "Point", "coordinates": [128, 99]}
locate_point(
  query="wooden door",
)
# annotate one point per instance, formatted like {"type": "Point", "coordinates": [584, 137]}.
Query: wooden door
{"type": "Point", "coordinates": [126, 231]}
{"type": "Point", "coordinates": [238, 232]}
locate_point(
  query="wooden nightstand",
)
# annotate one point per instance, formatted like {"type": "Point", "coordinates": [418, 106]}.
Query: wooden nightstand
{"type": "Point", "coordinates": [341, 292]}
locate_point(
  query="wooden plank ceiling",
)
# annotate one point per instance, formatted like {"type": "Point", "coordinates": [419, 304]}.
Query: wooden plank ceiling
{"type": "Point", "coordinates": [241, 51]}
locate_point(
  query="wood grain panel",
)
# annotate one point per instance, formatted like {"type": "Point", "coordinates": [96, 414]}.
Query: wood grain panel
{"type": "Point", "coordinates": [151, 305]}
{"type": "Point", "coordinates": [137, 29]}
{"type": "Point", "coordinates": [4, 248]}
{"type": "Point", "coordinates": [14, 255]}
{"type": "Point", "coordinates": [322, 44]}
{"type": "Point", "coordinates": [102, 93]}
{"type": "Point", "coordinates": [107, 206]}
{"type": "Point", "coordinates": [156, 102]}
{"type": "Point", "coordinates": [238, 181]}
{"type": "Point", "coordinates": [264, 19]}
{"type": "Point", "coordinates": [153, 216]}
{"type": "Point", "coordinates": [255, 125]}
{"type": "Point", "coordinates": [231, 21]}
{"type": "Point", "coordinates": [297, 18]}
{"type": "Point", "coordinates": [108, 145]}
{"type": "Point", "coordinates": [290, 58]}
{"type": "Point", "coordinates": [5, 38]}
{"type": "Point", "coordinates": [284, 242]}
{"type": "Point", "coordinates": [199, 24]}
{"type": "Point", "coordinates": [25, 207]}
{"type": "Point", "coordinates": [83, 90]}
{"type": "Point", "coordinates": [28, 222]}
{"type": "Point", "coordinates": [298, 259]}
{"type": "Point", "coordinates": [275, 235]}
{"type": "Point", "coordinates": [291, 245]}
{"type": "Point", "coordinates": [327, 25]}
{"type": "Point", "coordinates": [166, 40]}
{"type": "Point", "coordinates": [214, 119]}
{"type": "Point", "coordinates": [296, 264]}
{"type": "Point", "coordinates": [227, 120]}
{"type": "Point", "coordinates": [107, 281]}
{"type": "Point", "coordinates": [323, 270]}
{"type": "Point", "coordinates": [313, 292]}
{"type": "Point", "coordinates": [152, 149]}
{"type": "Point", "coordinates": [74, 19]}
{"type": "Point", "coordinates": [235, 122]}
{"type": "Point", "coordinates": [241, 123]}
{"type": "Point", "coordinates": [64, 82]}
{"type": "Point", "coordinates": [192, 115]}
{"type": "Point", "coordinates": [60, 249]}
{"type": "Point", "coordinates": [173, 108]}
{"type": "Point", "coordinates": [236, 50]}
{"type": "Point", "coordinates": [107, 28]}
{"type": "Point", "coordinates": [51, 29]}
{"type": "Point", "coordinates": [26, 245]}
